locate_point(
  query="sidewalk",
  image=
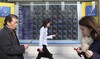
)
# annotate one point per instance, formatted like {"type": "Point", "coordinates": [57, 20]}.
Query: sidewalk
{"type": "Point", "coordinates": [63, 51]}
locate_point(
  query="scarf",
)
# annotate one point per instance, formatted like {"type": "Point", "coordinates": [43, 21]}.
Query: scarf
{"type": "Point", "coordinates": [85, 43]}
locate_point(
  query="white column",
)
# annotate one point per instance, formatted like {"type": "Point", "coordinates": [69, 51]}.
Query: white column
{"type": "Point", "coordinates": [47, 5]}
{"type": "Point", "coordinates": [79, 13]}
{"type": "Point", "coordinates": [17, 13]}
{"type": "Point", "coordinates": [63, 6]}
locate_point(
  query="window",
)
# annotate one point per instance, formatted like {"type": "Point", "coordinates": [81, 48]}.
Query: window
{"type": "Point", "coordinates": [64, 22]}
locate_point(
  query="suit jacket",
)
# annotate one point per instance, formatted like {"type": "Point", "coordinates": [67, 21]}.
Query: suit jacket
{"type": "Point", "coordinates": [9, 44]}
{"type": "Point", "coordinates": [95, 48]}
{"type": "Point", "coordinates": [2, 55]}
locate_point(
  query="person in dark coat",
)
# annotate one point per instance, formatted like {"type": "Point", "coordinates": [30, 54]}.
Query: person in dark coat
{"type": "Point", "coordinates": [10, 47]}
{"type": "Point", "coordinates": [2, 55]}
{"type": "Point", "coordinates": [90, 44]}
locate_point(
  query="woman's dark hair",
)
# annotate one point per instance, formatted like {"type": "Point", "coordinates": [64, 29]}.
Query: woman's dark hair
{"type": "Point", "coordinates": [45, 22]}
{"type": "Point", "coordinates": [89, 22]}
{"type": "Point", "coordinates": [9, 18]}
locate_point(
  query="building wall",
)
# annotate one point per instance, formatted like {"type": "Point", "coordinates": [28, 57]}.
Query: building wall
{"type": "Point", "coordinates": [47, 0]}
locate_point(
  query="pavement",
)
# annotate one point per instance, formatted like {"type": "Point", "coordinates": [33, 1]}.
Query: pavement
{"type": "Point", "coordinates": [59, 51]}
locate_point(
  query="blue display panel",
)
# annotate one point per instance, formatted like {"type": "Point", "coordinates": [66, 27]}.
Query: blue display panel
{"type": "Point", "coordinates": [65, 22]}
{"type": "Point", "coordinates": [4, 11]}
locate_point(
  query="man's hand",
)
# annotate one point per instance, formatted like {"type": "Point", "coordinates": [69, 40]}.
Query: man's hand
{"type": "Point", "coordinates": [26, 46]}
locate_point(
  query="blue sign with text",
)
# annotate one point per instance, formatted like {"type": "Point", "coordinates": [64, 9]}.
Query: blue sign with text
{"type": "Point", "coordinates": [4, 11]}
{"type": "Point", "coordinates": [90, 11]}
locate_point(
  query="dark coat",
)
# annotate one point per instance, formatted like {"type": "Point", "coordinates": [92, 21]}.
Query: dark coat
{"type": "Point", "coordinates": [9, 45]}
{"type": "Point", "coordinates": [95, 48]}
{"type": "Point", "coordinates": [2, 55]}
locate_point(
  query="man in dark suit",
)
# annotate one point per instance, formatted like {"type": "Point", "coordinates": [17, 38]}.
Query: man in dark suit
{"type": "Point", "coordinates": [10, 47]}
{"type": "Point", "coordinates": [2, 55]}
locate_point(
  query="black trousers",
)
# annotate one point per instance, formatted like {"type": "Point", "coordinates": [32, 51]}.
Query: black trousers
{"type": "Point", "coordinates": [46, 53]}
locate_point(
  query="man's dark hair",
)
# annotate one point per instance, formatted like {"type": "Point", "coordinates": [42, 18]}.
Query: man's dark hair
{"type": "Point", "coordinates": [45, 22]}
{"type": "Point", "coordinates": [9, 18]}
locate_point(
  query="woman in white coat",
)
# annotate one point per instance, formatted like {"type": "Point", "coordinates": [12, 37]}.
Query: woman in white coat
{"type": "Point", "coordinates": [43, 50]}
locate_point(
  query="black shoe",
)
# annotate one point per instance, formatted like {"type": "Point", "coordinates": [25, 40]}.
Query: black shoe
{"type": "Point", "coordinates": [37, 57]}
{"type": "Point", "coordinates": [51, 58]}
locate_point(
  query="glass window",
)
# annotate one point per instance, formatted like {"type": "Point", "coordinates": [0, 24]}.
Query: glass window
{"type": "Point", "coordinates": [64, 22]}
